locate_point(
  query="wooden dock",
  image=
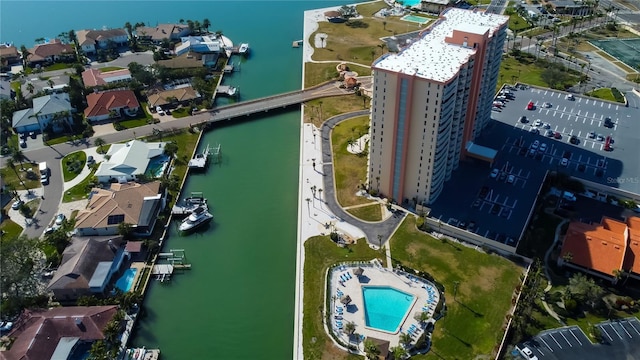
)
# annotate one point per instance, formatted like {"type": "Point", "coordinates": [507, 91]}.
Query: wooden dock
{"type": "Point", "coordinates": [297, 43]}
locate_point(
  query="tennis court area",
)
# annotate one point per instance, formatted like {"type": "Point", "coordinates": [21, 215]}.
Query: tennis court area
{"type": "Point", "coordinates": [625, 50]}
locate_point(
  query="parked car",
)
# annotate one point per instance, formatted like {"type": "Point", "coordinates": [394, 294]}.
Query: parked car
{"type": "Point", "coordinates": [531, 105]}
{"type": "Point", "coordinates": [511, 179]}
{"type": "Point", "coordinates": [535, 144]}
{"type": "Point", "coordinates": [6, 326]}
{"type": "Point", "coordinates": [549, 133]}
{"type": "Point", "coordinates": [16, 204]}
{"type": "Point", "coordinates": [523, 119]}
{"type": "Point", "coordinates": [574, 139]}
{"type": "Point", "coordinates": [538, 122]}
{"type": "Point", "coordinates": [528, 354]}
{"type": "Point", "coordinates": [546, 105]}
{"type": "Point", "coordinates": [59, 219]}
{"type": "Point", "coordinates": [159, 110]}
{"type": "Point", "coordinates": [564, 162]}
{"type": "Point", "coordinates": [494, 173]}
{"type": "Point", "coordinates": [534, 130]}
{"type": "Point", "coordinates": [23, 143]}
{"type": "Point", "coordinates": [33, 134]}
{"type": "Point", "coordinates": [569, 97]}
{"type": "Point", "coordinates": [592, 135]}
{"type": "Point", "coordinates": [546, 126]}
{"type": "Point", "coordinates": [543, 147]}
{"type": "Point", "coordinates": [557, 135]}
{"type": "Point", "coordinates": [600, 137]}
{"type": "Point", "coordinates": [607, 122]}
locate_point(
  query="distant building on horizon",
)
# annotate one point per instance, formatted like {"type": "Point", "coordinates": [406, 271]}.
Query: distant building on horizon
{"type": "Point", "coordinates": [430, 101]}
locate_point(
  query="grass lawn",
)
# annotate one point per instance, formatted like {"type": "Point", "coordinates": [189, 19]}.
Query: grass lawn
{"type": "Point", "coordinates": [527, 72]}
{"type": "Point", "coordinates": [110, 68]}
{"type": "Point", "coordinates": [59, 66]}
{"type": "Point", "coordinates": [133, 123]}
{"type": "Point", "coordinates": [518, 23]}
{"type": "Point", "coordinates": [371, 212]}
{"type": "Point", "coordinates": [350, 169]}
{"type": "Point", "coordinates": [473, 325]}
{"type": "Point", "coordinates": [603, 93]}
{"type": "Point", "coordinates": [61, 139]}
{"type": "Point", "coordinates": [180, 113]}
{"type": "Point", "coordinates": [317, 73]}
{"type": "Point", "coordinates": [320, 253]}
{"type": "Point", "coordinates": [10, 229]}
{"type": "Point", "coordinates": [10, 177]}
{"type": "Point", "coordinates": [73, 164]}
{"type": "Point", "coordinates": [332, 106]}
{"type": "Point", "coordinates": [80, 191]}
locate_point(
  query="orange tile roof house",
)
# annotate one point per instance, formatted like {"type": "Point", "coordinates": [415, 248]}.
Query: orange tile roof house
{"type": "Point", "coordinates": [94, 77]}
{"type": "Point", "coordinates": [50, 52]}
{"type": "Point", "coordinates": [133, 203]}
{"type": "Point", "coordinates": [87, 267]}
{"type": "Point", "coordinates": [92, 40]}
{"type": "Point", "coordinates": [603, 249]}
{"type": "Point", "coordinates": [163, 31]}
{"type": "Point", "coordinates": [8, 54]}
{"type": "Point", "coordinates": [55, 333]}
{"type": "Point", "coordinates": [100, 106]}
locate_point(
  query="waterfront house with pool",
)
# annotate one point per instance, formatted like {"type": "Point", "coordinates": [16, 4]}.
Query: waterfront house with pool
{"type": "Point", "coordinates": [131, 202]}
{"type": "Point", "coordinates": [129, 160]}
{"type": "Point", "coordinates": [87, 267]}
{"type": "Point", "coordinates": [380, 305]}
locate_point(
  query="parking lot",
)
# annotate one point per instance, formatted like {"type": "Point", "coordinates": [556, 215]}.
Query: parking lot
{"type": "Point", "coordinates": [497, 207]}
{"type": "Point", "coordinates": [621, 340]}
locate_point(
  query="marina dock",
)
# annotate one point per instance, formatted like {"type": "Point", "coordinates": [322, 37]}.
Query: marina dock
{"type": "Point", "coordinates": [200, 161]}
{"type": "Point", "coordinates": [297, 43]}
{"type": "Point", "coordinates": [227, 90]}
{"type": "Point", "coordinates": [176, 259]}
{"type": "Point", "coordinates": [187, 205]}
{"type": "Point", "coordinates": [243, 50]}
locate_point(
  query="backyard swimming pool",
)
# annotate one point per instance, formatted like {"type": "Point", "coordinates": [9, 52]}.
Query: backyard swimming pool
{"type": "Point", "coordinates": [157, 166]}
{"type": "Point", "coordinates": [385, 307]}
{"type": "Point", "coordinates": [415, 19]}
{"type": "Point", "coordinates": [125, 282]}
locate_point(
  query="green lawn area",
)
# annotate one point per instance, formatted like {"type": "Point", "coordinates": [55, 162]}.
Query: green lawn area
{"type": "Point", "coordinates": [73, 164]}
{"type": "Point", "coordinates": [528, 72]}
{"type": "Point", "coordinates": [110, 68]}
{"type": "Point", "coordinates": [350, 169]}
{"type": "Point", "coordinates": [80, 191]}
{"type": "Point", "coordinates": [317, 73]}
{"type": "Point", "coordinates": [473, 325]}
{"type": "Point", "coordinates": [143, 118]}
{"type": "Point", "coordinates": [10, 229]}
{"type": "Point", "coordinates": [180, 113]}
{"type": "Point", "coordinates": [605, 94]}
{"type": "Point", "coordinates": [518, 23]}
{"type": "Point", "coordinates": [367, 213]}
{"type": "Point", "coordinates": [10, 177]}
{"type": "Point", "coordinates": [59, 66]}
{"type": "Point", "coordinates": [332, 106]}
{"type": "Point", "coordinates": [320, 253]}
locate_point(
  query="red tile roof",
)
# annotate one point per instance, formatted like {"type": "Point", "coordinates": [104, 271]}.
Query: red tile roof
{"type": "Point", "coordinates": [596, 246]}
{"type": "Point", "coordinates": [632, 260]}
{"type": "Point", "coordinates": [93, 77]}
{"type": "Point", "coordinates": [102, 103]}
{"type": "Point", "coordinates": [38, 332]}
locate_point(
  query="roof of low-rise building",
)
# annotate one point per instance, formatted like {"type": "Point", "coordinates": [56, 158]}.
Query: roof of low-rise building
{"type": "Point", "coordinates": [39, 333]}
{"type": "Point", "coordinates": [102, 103]}
{"type": "Point", "coordinates": [42, 106]}
{"type": "Point", "coordinates": [80, 259]}
{"type": "Point", "coordinates": [180, 94]}
{"type": "Point", "coordinates": [53, 48]}
{"type": "Point", "coordinates": [632, 260]}
{"type": "Point", "coordinates": [91, 37]}
{"type": "Point", "coordinates": [160, 32]}
{"type": "Point", "coordinates": [131, 158]}
{"type": "Point", "coordinates": [95, 77]}
{"type": "Point", "coordinates": [600, 247]}
{"type": "Point", "coordinates": [8, 51]}
{"type": "Point", "coordinates": [431, 56]}
{"type": "Point", "coordinates": [122, 202]}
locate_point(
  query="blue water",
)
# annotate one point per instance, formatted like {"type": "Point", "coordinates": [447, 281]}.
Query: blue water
{"type": "Point", "coordinates": [411, 2]}
{"type": "Point", "coordinates": [156, 165]}
{"type": "Point", "coordinates": [385, 307]}
{"type": "Point", "coordinates": [126, 280]}
{"type": "Point", "coordinates": [415, 19]}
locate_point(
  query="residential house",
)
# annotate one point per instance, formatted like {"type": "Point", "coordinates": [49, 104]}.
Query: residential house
{"type": "Point", "coordinates": [87, 267]}
{"type": "Point", "coordinates": [95, 77]}
{"type": "Point", "coordinates": [158, 33]}
{"type": "Point", "coordinates": [206, 48]}
{"type": "Point", "coordinates": [54, 84]}
{"type": "Point", "coordinates": [57, 333]}
{"type": "Point", "coordinates": [92, 40]}
{"type": "Point", "coordinates": [50, 111]}
{"type": "Point", "coordinates": [8, 55]}
{"type": "Point", "coordinates": [129, 160]}
{"type": "Point", "coordinates": [110, 104]}
{"type": "Point", "coordinates": [171, 98]}
{"type": "Point", "coordinates": [132, 203]}
{"type": "Point", "coordinates": [51, 52]}
{"type": "Point", "coordinates": [603, 249]}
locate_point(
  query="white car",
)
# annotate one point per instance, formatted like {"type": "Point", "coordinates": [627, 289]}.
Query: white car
{"type": "Point", "coordinates": [538, 122]}
{"type": "Point", "coordinates": [5, 326]}
{"type": "Point", "coordinates": [59, 219]}
{"type": "Point", "coordinates": [494, 173]}
{"type": "Point", "coordinates": [543, 147]}
{"type": "Point", "coordinates": [16, 204]}
{"type": "Point", "coordinates": [528, 354]}
{"type": "Point", "coordinates": [159, 110]}
{"type": "Point", "coordinates": [535, 144]}
{"type": "Point", "coordinates": [546, 105]}
{"type": "Point", "coordinates": [564, 162]}
{"type": "Point", "coordinates": [511, 179]}
{"type": "Point", "coordinates": [569, 97]}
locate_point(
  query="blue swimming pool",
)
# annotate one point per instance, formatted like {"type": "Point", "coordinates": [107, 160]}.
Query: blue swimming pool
{"type": "Point", "coordinates": [125, 282]}
{"type": "Point", "coordinates": [385, 307]}
{"type": "Point", "coordinates": [157, 166]}
{"type": "Point", "coordinates": [415, 19]}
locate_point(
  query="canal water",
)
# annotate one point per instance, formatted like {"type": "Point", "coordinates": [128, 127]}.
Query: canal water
{"type": "Point", "coordinates": [237, 301]}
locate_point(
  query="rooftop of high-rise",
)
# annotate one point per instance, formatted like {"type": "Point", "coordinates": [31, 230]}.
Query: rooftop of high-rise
{"type": "Point", "coordinates": [430, 56]}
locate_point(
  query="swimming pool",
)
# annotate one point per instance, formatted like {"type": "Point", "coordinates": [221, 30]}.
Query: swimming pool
{"type": "Point", "coordinates": [126, 280]}
{"type": "Point", "coordinates": [411, 3]}
{"type": "Point", "coordinates": [385, 307]}
{"type": "Point", "coordinates": [415, 19]}
{"type": "Point", "coordinates": [157, 166]}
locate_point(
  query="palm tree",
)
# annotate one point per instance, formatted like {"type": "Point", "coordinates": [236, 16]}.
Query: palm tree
{"type": "Point", "coordinates": [24, 53]}
{"type": "Point", "coordinates": [205, 24]}
{"type": "Point", "coordinates": [30, 88]}
{"type": "Point", "coordinates": [191, 25]}
{"type": "Point", "coordinates": [198, 26]}
{"type": "Point", "coordinates": [371, 349]}
{"type": "Point", "coordinates": [421, 316]}
{"type": "Point", "coordinates": [399, 352]}
{"type": "Point", "coordinates": [12, 165]}
{"type": "Point", "coordinates": [308, 200]}
{"type": "Point", "coordinates": [405, 339]}
{"type": "Point", "coordinates": [39, 40]}
{"type": "Point", "coordinates": [129, 29]}
{"type": "Point", "coordinates": [99, 142]}
{"type": "Point", "coordinates": [50, 83]}
{"type": "Point", "coordinates": [350, 327]}
{"type": "Point", "coordinates": [181, 21]}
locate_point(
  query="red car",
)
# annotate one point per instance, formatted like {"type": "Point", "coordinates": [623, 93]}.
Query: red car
{"type": "Point", "coordinates": [530, 105]}
{"type": "Point", "coordinates": [557, 135]}
{"type": "Point", "coordinates": [607, 144]}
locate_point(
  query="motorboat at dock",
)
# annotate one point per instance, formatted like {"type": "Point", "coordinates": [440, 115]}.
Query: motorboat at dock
{"type": "Point", "coordinates": [197, 218]}
{"type": "Point", "coordinates": [188, 205]}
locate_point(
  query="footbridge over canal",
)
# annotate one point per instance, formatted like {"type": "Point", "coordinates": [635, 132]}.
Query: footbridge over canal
{"type": "Point", "coordinates": [251, 107]}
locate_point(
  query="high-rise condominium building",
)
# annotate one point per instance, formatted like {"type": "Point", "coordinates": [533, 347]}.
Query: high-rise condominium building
{"type": "Point", "coordinates": [430, 101]}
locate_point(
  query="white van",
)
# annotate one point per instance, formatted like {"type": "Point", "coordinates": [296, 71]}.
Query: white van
{"type": "Point", "coordinates": [44, 173]}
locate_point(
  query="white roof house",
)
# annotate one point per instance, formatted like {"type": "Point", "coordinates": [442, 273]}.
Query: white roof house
{"type": "Point", "coordinates": [128, 160]}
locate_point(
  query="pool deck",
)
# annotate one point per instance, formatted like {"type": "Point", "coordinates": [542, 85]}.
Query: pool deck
{"type": "Point", "coordinates": [140, 267]}
{"type": "Point", "coordinates": [377, 276]}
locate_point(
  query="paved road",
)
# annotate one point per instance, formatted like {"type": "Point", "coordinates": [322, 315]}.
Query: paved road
{"type": "Point", "coordinates": [53, 154]}
{"type": "Point", "coordinates": [372, 230]}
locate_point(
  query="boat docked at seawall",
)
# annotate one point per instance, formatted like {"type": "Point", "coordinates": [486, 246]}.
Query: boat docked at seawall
{"type": "Point", "coordinates": [200, 161]}
{"type": "Point", "coordinates": [188, 205]}
{"type": "Point", "coordinates": [243, 49]}
{"type": "Point", "coordinates": [198, 217]}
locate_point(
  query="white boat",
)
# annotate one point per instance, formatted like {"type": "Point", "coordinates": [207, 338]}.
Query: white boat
{"type": "Point", "coordinates": [198, 217]}
{"type": "Point", "coordinates": [244, 49]}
